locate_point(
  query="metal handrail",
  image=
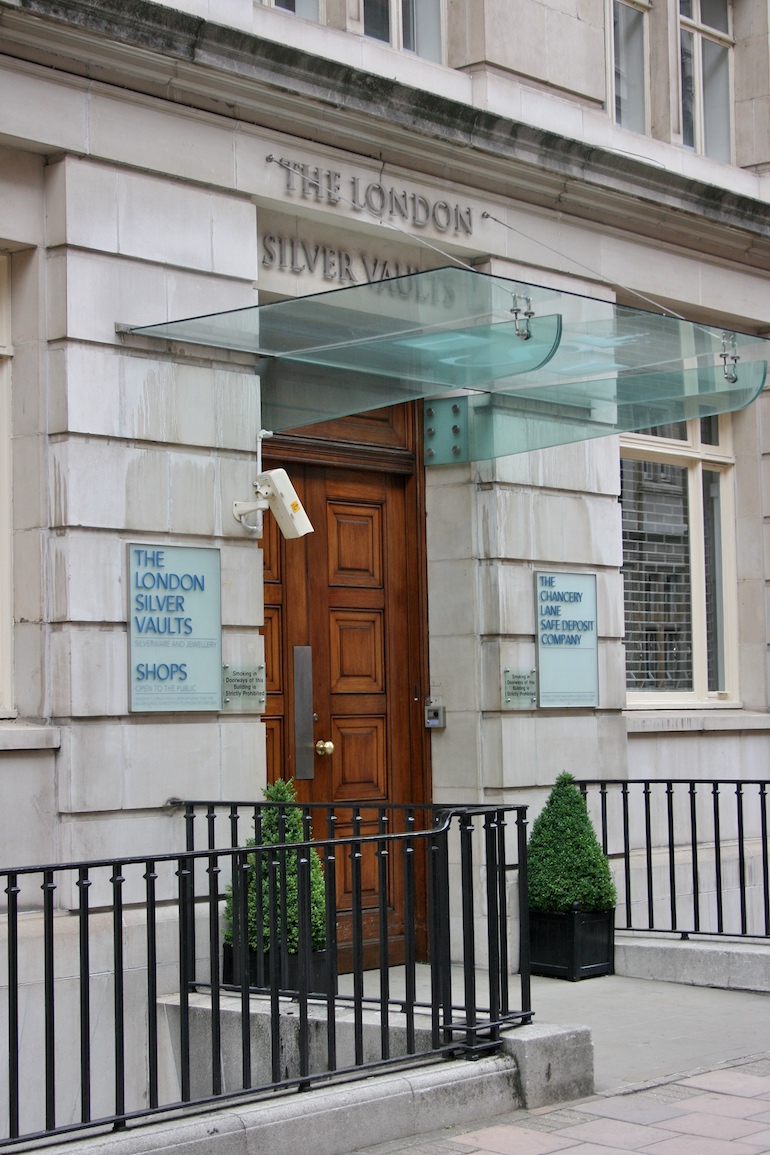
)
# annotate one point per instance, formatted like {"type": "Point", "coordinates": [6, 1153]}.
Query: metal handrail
{"type": "Point", "coordinates": [681, 850]}
{"type": "Point", "coordinates": [122, 954]}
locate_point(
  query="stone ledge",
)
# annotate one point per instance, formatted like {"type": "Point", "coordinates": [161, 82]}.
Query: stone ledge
{"type": "Point", "coordinates": [540, 1065]}
{"type": "Point", "coordinates": [19, 736]}
{"type": "Point", "coordinates": [741, 966]}
{"type": "Point", "coordinates": [693, 721]}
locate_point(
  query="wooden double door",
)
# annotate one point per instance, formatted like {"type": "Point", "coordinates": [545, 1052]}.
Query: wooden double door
{"type": "Point", "coordinates": [350, 598]}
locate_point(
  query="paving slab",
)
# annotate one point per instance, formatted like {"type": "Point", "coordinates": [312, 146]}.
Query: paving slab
{"type": "Point", "coordinates": [643, 1029]}
{"type": "Point", "coordinates": [680, 1070]}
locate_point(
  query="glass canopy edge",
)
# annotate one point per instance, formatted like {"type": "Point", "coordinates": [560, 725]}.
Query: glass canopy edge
{"type": "Point", "coordinates": [528, 359]}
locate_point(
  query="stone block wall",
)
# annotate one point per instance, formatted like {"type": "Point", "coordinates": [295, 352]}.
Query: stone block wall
{"type": "Point", "coordinates": [117, 439]}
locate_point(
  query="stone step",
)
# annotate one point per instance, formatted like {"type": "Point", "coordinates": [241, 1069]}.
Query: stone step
{"type": "Point", "coordinates": [729, 964]}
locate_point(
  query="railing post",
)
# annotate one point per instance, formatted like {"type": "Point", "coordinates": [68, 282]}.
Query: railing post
{"type": "Point", "coordinates": [694, 852]}
{"type": "Point", "coordinates": [259, 864]}
{"type": "Point", "coordinates": [357, 932]}
{"type": "Point", "coordinates": [626, 854]}
{"type": "Point", "coordinates": [434, 948]}
{"type": "Point", "coordinates": [83, 885]}
{"type": "Point", "coordinates": [493, 922]}
{"type": "Point", "coordinates": [117, 881]}
{"type": "Point", "coordinates": [241, 871]}
{"type": "Point", "coordinates": [12, 890]}
{"type": "Point", "coordinates": [442, 960]}
{"type": "Point", "coordinates": [718, 856]}
{"type": "Point", "coordinates": [603, 797]}
{"type": "Point", "coordinates": [383, 859]}
{"type": "Point", "coordinates": [304, 946]}
{"type": "Point", "coordinates": [765, 864]}
{"type": "Point", "coordinates": [671, 852]}
{"type": "Point", "coordinates": [190, 892]}
{"type": "Point", "coordinates": [48, 887]}
{"type": "Point", "coordinates": [330, 882]}
{"type": "Point", "coordinates": [273, 866]}
{"type": "Point", "coordinates": [741, 856]}
{"type": "Point", "coordinates": [186, 915]}
{"type": "Point", "coordinates": [524, 949]}
{"type": "Point", "coordinates": [469, 938]}
{"type": "Point", "coordinates": [213, 872]}
{"type": "Point", "coordinates": [151, 877]}
{"type": "Point", "coordinates": [410, 952]}
{"type": "Point", "coordinates": [502, 873]}
{"type": "Point", "coordinates": [648, 850]}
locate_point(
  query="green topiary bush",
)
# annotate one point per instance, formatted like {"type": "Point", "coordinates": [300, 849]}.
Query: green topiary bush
{"type": "Point", "coordinates": [288, 916]}
{"type": "Point", "coordinates": [565, 861]}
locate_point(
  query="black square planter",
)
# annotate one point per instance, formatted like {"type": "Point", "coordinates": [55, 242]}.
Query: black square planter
{"type": "Point", "coordinates": [576, 945]}
{"type": "Point", "coordinates": [318, 979]}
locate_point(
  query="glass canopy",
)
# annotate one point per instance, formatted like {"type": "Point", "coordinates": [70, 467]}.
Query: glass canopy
{"type": "Point", "coordinates": [524, 366]}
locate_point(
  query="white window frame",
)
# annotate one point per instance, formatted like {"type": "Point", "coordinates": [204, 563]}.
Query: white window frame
{"type": "Point", "coordinates": [694, 455]}
{"type": "Point", "coordinates": [287, 12]}
{"type": "Point", "coordinates": [397, 29]}
{"type": "Point", "coordinates": [700, 32]}
{"type": "Point", "coordinates": [7, 709]}
{"type": "Point", "coordinates": [645, 8]}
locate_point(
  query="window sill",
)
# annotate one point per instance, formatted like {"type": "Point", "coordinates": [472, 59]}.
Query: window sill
{"type": "Point", "coordinates": [693, 721]}
{"type": "Point", "coordinates": [15, 736]}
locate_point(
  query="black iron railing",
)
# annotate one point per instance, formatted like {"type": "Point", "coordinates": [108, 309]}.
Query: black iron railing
{"type": "Point", "coordinates": [689, 856]}
{"type": "Point", "coordinates": [117, 1006]}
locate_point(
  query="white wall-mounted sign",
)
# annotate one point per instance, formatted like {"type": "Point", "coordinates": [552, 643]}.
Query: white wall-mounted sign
{"type": "Point", "coordinates": [519, 689]}
{"type": "Point", "coordinates": [174, 629]}
{"type": "Point", "coordinates": [567, 644]}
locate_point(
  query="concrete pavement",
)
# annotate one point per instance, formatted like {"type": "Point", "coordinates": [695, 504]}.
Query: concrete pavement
{"type": "Point", "coordinates": [680, 1070]}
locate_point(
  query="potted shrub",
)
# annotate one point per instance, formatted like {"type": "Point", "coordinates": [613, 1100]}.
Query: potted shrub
{"type": "Point", "coordinates": [571, 893]}
{"type": "Point", "coordinates": [280, 824]}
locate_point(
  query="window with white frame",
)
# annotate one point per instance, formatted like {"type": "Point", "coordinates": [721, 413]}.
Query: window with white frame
{"type": "Point", "coordinates": [307, 9]}
{"type": "Point", "coordinates": [705, 43]}
{"type": "Point", "coordinates": [679, 563]}
{"type": "Point", "coordinates": [629, 37]}
{"type": "Point", "coordinates": [6, 570]}
{"type": "Point", "coordinates": [414, 25]}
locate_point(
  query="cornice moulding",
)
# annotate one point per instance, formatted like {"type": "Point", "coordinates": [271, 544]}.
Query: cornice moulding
{"type": "Point", "coordinates": [197, 64]}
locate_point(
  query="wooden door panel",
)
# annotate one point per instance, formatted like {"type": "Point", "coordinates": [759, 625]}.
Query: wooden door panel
{"type": "Point", "coordinates": [359, 762]}
{"type": "Point", "coordinates": [355, 544]}
{"type": "Point", "coordinates": [369, 876]}
{"type": "Point", "coordinates": [272, 633]}
{"type": "Point", "coordinates": [271, 550]}
{"type": "Point", "coordinates": [274, 746]}
{"type": "Point", "coordinates": [357, 655]}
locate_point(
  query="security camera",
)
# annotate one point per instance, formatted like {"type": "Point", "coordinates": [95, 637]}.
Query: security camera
{"type": "Point", "coordinates": [276, 492]}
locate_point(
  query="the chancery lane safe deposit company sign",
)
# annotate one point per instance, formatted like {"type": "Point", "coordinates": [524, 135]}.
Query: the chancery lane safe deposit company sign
{"type": "Point", "coordinates": [567, 647]}
{"type": "Point", "coordinates": [174, 629]}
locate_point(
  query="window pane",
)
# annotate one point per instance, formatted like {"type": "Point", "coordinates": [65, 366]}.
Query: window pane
{"type": "Point", "coordinates": [674, 431]}
{"type": "Point", "coordinates": [685, 8]}
{"type": "Point", "coordinates": [712, 532]}
{"type": "Point", "coordinates": [377, 19]}
{"type": "Point", "coordinates": [629, 67]}
{"type": "Point", "coordinates": [716, 101]}
{"type": "Point", "coordinates": [287, 4]}
{"type": "Point", "coordinates": [709, 430]}
{"type": "Point", "coordinates": [422, 27]}
{"type": "Point", "coordinates": [714, 13]}
{"type": "Point", "coordinates": [688, 91]}
{"type": "Point", "coordinates": [656, 575]}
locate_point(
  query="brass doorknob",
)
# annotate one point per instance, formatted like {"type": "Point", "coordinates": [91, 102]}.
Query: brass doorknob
{"type": "Point", "coordinates": [322, 747]}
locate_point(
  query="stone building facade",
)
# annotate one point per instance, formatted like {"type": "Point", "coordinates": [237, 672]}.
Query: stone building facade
{"type": "Point", "coordinates": [166, 162]}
